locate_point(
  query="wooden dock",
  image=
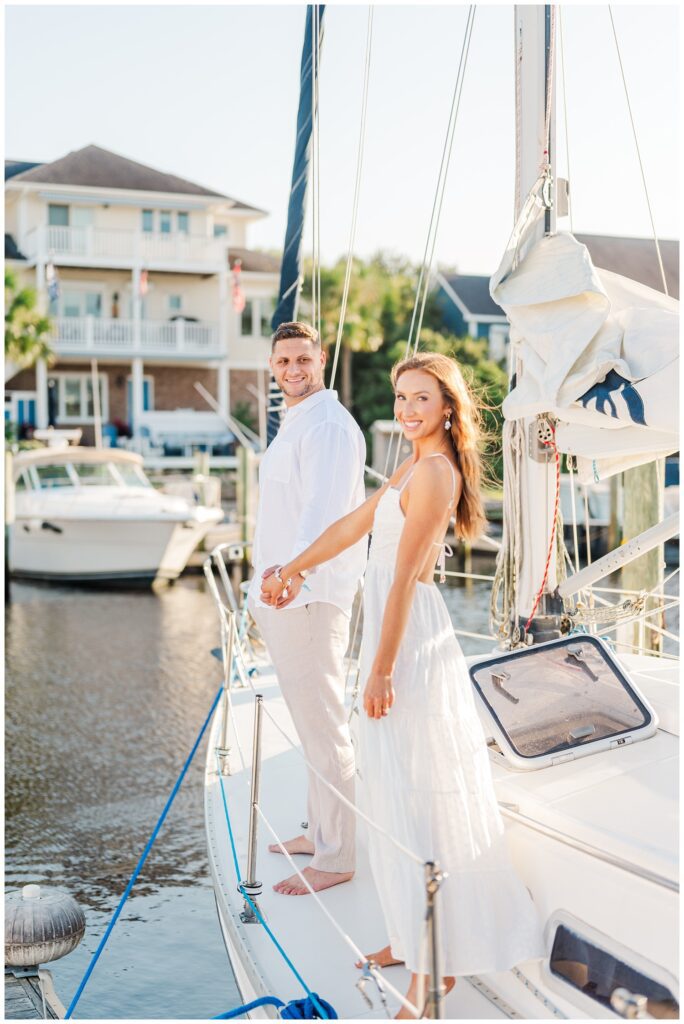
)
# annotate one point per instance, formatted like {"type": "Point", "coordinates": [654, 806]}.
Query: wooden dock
{"type": "Point", "coordinates": [24, 1000]}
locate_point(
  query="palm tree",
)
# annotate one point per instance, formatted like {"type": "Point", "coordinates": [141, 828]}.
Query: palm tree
{"type": "Point", "coordinates": [26, 329]}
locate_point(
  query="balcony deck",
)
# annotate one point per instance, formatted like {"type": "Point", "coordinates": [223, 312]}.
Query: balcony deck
{"type": "Point", "coordinates": [121, 249]}
{"type": "Point", "coordinates": [91, 336]}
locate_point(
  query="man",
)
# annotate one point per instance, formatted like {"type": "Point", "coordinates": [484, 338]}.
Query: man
{"type": "Point", "coordinates": [311, 475]}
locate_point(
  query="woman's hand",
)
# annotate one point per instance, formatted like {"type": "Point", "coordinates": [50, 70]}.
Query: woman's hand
{"type": "Point", "coordinates": [378, 697]}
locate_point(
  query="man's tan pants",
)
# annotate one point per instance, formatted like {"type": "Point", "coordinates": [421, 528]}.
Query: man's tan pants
{"type": "Point", "coordinates": [307, 647]}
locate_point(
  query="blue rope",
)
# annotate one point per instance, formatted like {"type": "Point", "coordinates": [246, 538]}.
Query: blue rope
{"type": "Point", "coordinates": [264, 1001]}
{"type": "Point", "coordinates": [296, 1009]}
{"type": "Point", "coordinates": [143, 858]}
{"type": "Point", "coordinates": [312, 995]}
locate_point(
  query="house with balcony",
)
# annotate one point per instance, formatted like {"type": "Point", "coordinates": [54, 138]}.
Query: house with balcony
{"type": "Point", "coordinates": [137, 269]}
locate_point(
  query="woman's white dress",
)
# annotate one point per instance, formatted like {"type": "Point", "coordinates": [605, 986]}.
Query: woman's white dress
{"type": "Point", "coordinates": [426, 780]}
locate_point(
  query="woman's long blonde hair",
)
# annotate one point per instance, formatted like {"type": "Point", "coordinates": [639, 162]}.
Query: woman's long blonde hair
{"type": "Point", "coordinates": [466, 433]}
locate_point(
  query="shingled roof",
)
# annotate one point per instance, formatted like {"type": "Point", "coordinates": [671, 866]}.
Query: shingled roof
{"type": "Point", "coordinates": [11, 251]}
{"type": "Point", "coordinates": [473, 291]}
{"type": "Point", "coordinates": [250, 260]}
{"type": "Point", "coordinates": [636, 258]}
{"type": "Point", "coordinates": [94, 167]}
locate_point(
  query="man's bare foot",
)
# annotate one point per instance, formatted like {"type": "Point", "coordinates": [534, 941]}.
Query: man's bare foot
{"type": "Point", "coordinates": [318, 880]}
{"type": "Point", "coordinates": [414, 994]}
{"type": "Point", "coordinates": [383, 958]}
{"type": "Point", "coordinates": [300, 844]}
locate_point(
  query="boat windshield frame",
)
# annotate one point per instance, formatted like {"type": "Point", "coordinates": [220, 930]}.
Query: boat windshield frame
{"type": "Point", "coordinates": [32, 475]}
{"type": "Point", "coordinates": [587, 676]}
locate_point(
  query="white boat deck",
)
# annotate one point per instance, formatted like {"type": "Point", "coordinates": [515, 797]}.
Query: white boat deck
{"type": "Point", "coordinates": [321, 955]}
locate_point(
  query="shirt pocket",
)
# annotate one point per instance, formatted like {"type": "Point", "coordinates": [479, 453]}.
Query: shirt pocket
{"type": "Point", "coordinates": [278, 465]}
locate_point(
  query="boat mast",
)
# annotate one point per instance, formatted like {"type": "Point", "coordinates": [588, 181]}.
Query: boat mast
{"type": "Point", "coordinates": [535, 148]}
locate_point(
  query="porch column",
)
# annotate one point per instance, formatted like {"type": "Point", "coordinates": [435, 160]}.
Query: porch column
{"type": "Point", "coordinates": [41, 395]}
{"type": "Point", "coordinates": [137, 397]}
{"type": "Point", "coordinates": [223, 372]}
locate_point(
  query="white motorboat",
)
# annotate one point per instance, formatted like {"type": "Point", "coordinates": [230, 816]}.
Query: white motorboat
{"type": "Point", "coordinates": [583, 741]}
{"type": "Point", "coordinates": [90, 514]}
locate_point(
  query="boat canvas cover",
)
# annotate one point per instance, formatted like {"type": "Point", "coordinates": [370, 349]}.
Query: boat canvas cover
{"type": "Point", "coordinates": [598, 351]}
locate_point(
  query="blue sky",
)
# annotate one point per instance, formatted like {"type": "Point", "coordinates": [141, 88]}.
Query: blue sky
{"type": "Point", "coordinates": [210, 93]}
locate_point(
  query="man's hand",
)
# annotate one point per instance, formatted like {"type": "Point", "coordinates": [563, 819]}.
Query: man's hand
{"type": "Point", "coordinates": [268, 572]}
{"type": "Point", "coordinates": [272, 589]}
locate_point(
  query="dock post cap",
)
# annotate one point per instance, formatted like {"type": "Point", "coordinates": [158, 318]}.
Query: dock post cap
{"type": "Point", "coordinates": [30, 892]}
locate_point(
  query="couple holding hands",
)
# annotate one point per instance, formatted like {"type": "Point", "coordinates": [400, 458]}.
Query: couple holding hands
{"type": "Point", "coordinates": [426, 774]}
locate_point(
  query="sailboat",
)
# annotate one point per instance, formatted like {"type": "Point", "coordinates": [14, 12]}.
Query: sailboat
{"type": "Point", "coordinates": [583, 741]}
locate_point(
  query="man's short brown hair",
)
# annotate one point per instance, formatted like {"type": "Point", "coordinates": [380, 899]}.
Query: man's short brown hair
{"type": "Point", "coordinates": [295, 329]}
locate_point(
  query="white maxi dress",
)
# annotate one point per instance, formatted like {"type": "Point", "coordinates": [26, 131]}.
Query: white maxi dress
{"type": "Point", "coordinates": [426, 780]}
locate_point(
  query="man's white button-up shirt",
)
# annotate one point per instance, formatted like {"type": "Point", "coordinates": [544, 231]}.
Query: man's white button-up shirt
{"type": "Point", "coordinates": [311, 474]}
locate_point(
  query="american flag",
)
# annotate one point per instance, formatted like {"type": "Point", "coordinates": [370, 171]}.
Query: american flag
{"type": "Point", "coordinates": [52, 282]}
{"type": "Point", "coordinates": [239, 301]}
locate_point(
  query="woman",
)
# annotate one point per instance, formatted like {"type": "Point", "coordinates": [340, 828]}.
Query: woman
{"type": "Point", "coordinates": [424, 760]}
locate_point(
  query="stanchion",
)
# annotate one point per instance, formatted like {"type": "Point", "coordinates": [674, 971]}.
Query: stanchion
{"type": "Point", "coordinates": [251, 886]}
{"type": "Point", "coordinates": [435, 999]}
{"type": "Point", "coordinates": [228, 645]}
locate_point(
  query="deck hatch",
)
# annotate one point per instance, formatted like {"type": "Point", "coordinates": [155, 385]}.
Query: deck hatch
{"type": "Point", "coordinates": [596, 972]}
{"type": "Point", "coordinates": [559, 701]}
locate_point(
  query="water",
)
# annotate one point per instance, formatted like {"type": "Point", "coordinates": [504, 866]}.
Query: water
{"type": "Point", "coordinates": [105, 693]}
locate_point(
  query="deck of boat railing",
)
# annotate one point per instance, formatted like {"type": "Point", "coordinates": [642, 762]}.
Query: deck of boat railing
{"type": "Point", "coordinates": [235, 669]}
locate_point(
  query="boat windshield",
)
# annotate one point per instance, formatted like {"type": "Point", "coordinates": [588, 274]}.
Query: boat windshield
{"type": "Point", "coordinates": [559, 696]}
{"type": "Point", "coordinates": [58, 475]}
{"type": "Point", "coordinates": [132, 476]}
{"type": "Point", "coordinates": [94, 474]}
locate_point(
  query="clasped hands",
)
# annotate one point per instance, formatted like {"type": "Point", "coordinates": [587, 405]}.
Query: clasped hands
{"type": "Point", "coordinates": [273, 589]}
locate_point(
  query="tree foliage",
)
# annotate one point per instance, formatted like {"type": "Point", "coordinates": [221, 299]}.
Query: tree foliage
{"type": "Point", "coordinates": [26, 329]}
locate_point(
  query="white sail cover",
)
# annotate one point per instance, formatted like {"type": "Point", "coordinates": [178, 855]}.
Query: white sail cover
{"type": "Point", "coordinates": [598, 351]}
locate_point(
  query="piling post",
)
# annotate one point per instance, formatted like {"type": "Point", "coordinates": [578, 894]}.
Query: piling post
{"type": "Point", "coordinates": [643, 507]}
{"type": "Point", "coordinates": [228, 645]}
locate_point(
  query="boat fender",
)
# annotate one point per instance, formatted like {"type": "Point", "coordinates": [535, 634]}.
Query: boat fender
{"type": "Point", "coordinates": [41, 924]}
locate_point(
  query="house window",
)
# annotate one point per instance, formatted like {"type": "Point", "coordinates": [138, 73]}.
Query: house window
{"type": "Point", "coordinates": [75, 397]}
{"type": "Point", "coordinates": [266, 314]}
{"type": "Point", "coordinates": [165, 222]}
{"type": "Point", "coordinates": [81, 303]}
{"type": "Point", "coordinates": [148, 220]}
{"type": "Point", "coordinates": [246, 319]}
{"type": "Point", "coordinates": [58, 215]}
{"type": "Point", "coordinates": [220, 230]}
{"type": "Point", "coordinates": [175, 303]}
{"type": "Point", "coordinates": [183, 222]}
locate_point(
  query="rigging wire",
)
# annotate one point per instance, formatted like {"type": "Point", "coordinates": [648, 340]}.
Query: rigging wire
{"type": "Point", "coordinates": [638, 150]}
{"type": "Point", "coordinates": [423, 284]}
{"type": "Point", "coordinates": [357, 190]}
{"type": "Point", "coordinates": [565, 117]}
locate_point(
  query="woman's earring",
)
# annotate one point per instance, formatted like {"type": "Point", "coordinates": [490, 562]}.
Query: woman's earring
{"type": "Point", "coordinates": [447, 424]}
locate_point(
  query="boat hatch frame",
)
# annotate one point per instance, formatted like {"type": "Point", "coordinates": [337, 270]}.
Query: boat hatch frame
{"type": "Point", "coordinates": [625, 954]}
{"type": "Point", "coordinates": [513, 758]}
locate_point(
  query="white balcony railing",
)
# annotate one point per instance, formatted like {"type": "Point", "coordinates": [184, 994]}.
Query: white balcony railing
{"type": "Point", "coordinates": [98, 335]}
{"type": "Point", "coordinates": [102, 245]}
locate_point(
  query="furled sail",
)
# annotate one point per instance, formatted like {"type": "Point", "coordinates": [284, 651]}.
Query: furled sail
{"type": "Point", "coordinates": [599, 351]}
{"type": "Point", "coordinates": [290, 271]}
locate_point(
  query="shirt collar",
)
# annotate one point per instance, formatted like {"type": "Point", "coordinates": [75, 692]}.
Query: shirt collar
{"type": "Point", "coordinates": [309, 403]}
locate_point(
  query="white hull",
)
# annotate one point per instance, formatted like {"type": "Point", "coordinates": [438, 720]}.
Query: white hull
{"type": "Point", "coordinates": [101, 549]}
{"type": "Point", "coordinates": [597, 872]}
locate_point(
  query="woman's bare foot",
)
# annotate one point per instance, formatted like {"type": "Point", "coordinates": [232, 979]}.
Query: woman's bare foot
{"type": "Point", "coordinates": [383, 958]}
{"type": "Point", "coordinates": [318, 880]}
{"type": "Point", "coordinates": [300, 844]}
{"type": "Point", "coordinates": [414, 994]}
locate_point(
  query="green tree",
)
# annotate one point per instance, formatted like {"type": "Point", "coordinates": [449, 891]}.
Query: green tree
{"type": "Point", "coordinates": [26, 329]}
